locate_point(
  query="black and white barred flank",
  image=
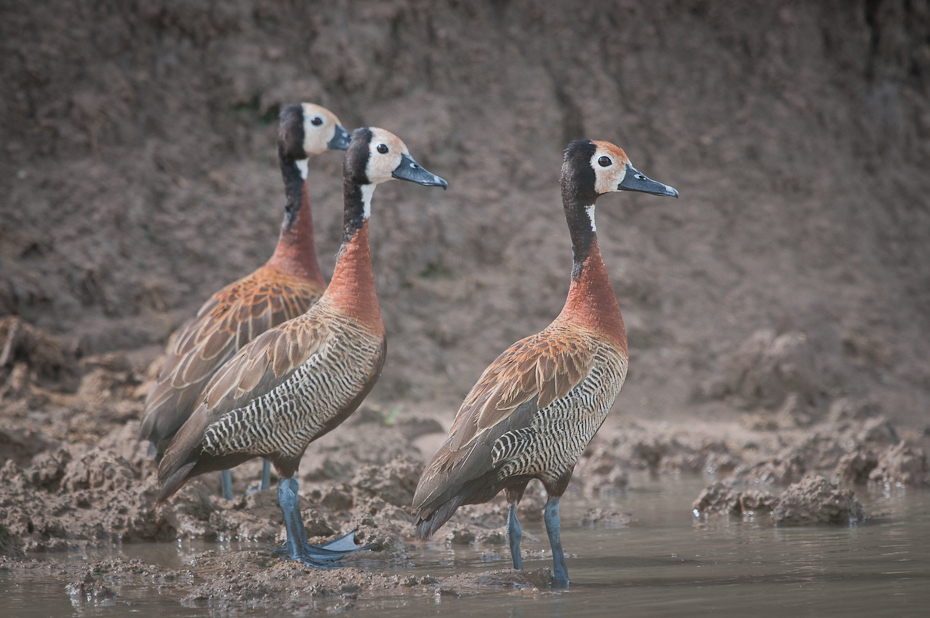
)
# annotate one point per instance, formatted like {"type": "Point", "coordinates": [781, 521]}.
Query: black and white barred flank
{"type": "Point", "coordinates": [290, 416]}
{"type": "Point", "coordinates": [559, 433]}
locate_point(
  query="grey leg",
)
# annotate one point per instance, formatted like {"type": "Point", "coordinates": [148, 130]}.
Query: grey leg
{"type": "Point", "coordinates": [266, 474]}
{"type": "Point", "coordinates": [227, 484]}
{"type": "Point", "coordinates": [296, 547]}
{"type": "Point", "coordinates": [514, 534]}
{"type": "Point", "coordinates": [293, 522]}
{"type": "Point", "coordinates": [559, 570]}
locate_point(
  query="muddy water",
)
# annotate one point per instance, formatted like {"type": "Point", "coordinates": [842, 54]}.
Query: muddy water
{"type": "Point", "coordinates": [665, 562]}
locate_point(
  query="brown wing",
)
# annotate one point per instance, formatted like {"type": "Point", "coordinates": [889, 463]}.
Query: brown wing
{"type": "Point", "coordinates": [526, 378]}
{"type": "Point", "coordinates": [230, 319]}
{"type": "Point", "coordinates": [253, 372]}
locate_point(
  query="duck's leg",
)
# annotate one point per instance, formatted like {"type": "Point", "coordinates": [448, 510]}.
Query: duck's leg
{"type": "Point", "coordinates": [297, 547]}
{"type": "Point", "coordinates": [514, 534]}
{"type": "Point", "coordinates": [227, 484]}
{"type": "Point", "coordinates": [559, 570]}
{"type": "Point", "coordinates": [266, 474]}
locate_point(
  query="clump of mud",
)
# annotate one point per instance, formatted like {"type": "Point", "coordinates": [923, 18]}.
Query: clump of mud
{"type": "Point", "coordinates": [810, 480]}
{"type": "Point", "coordinates": [60, 503]}
{"type": "Point", "coordinates": [815, 500]}
{"type": "Point", "coordinates": [30, 356]}
{"type": "Point", "coordinates": [722, 498]}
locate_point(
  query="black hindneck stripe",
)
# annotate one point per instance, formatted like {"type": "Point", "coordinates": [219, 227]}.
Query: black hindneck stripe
{"type": "Point", "coordinates": [355, 176]}
{"type": "Point", "coordinates": [582, 234]}
{"type": "Point", "coordinates": [293, 191]}
{"type": "Point", "coordinates": [354, 215]}
{"type": "Point", "coordinates": [290, 148]}
{"type": "Point", "coordinates": [578, 194]}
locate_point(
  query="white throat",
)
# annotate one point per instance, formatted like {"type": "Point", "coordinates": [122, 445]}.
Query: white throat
{"type": "Point", "coordinates": [367, 191]}
{"type": "Point", "coordinates": [304, 166]}
{"type": "Point", "coordinates": [590, 211]}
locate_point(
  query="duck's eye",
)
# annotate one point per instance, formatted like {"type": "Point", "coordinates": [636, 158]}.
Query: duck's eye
{"type": "Point", "coordinates": [604, 161]}
{"type": "Point", "coordinates": [316, 121]}
{"type": "Point", "coordinates": [382, 148]}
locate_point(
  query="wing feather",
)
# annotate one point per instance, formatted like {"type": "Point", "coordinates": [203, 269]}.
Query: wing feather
{"type": "Point", "coordinates": [231, 318]}
{"type": "Point", "coordinates": [527, 377]}
{"type": "Point", "coordinates": [252, 373]}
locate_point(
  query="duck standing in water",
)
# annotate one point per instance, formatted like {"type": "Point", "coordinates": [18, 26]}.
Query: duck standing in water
{"type": "Point", "coordinates": [282, 289]}
{"type": "Point", "coordinates": [536, 408]}
{"type": "Point", "coordinates": [300, 380]}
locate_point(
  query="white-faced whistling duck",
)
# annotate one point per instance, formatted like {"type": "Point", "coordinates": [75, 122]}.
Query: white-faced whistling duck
{"type": "Point", "coordinates": [534, 410]}
{"type": "Point", "coordinates": [301, 379]}
{"type": "Point", "coordinates": [282, 289]}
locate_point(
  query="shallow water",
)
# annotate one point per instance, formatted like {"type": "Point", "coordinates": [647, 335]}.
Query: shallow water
{"type": "Point", "coordinates": [666, 562]}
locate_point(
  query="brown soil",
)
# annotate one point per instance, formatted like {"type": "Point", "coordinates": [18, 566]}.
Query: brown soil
{"type": "Point", "coordinates": [777, 313]}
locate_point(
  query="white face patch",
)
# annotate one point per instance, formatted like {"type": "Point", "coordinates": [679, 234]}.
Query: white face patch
{"type": "Point", "coordinates": [381, 165]}
{"type": "Point", "coordinates": [317, 137]}
{"type": "Point", "coordinates": [590, 211]}
{"type": "Point", "coordinates": [608, 177]}
{"type": "Point", "coordinates": [303, 166]}
{"type": "Point", "coordinates": [367, 191]}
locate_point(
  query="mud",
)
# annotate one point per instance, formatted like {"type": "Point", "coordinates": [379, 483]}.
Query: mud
{"type": "Point", "coordinates": [99, 492]}
{"type": "Point", "coordinates": [776, 313]}
{"type": "Point", "coordinates": [73, 494]}
{"type": "Point", "coordinates": [260, 580]}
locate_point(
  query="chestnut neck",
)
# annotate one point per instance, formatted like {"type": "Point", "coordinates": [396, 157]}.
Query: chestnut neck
{"type": "Point", "coordinates": [591, 300]}
{"type": "Point", "coordinates": [352, 288]}
{"type": "Point", "coordinates": [295, 252]}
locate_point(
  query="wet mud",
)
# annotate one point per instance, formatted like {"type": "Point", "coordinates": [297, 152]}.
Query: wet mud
{"type": "Point", "coordinates": [75, 478]}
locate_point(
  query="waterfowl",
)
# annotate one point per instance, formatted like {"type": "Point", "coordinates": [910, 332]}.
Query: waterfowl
{"type": "Point", "coordinates": [534, 409]}
{"type": "Point", "coordinates": [300, 380]}
{"type": "Point", "coordinates": [282, 289]}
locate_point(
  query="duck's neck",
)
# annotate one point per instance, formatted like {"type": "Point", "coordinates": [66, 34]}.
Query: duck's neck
{"type": "Point", "coordinates": [296, 252]}
{"type": "Point", "coordinates": [352, 288]}
{"type": "Point", "coordinates": [591, 300]}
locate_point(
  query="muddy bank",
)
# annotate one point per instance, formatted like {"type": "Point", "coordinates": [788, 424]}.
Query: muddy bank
{"type": "Point", "coordinates": [75, 477]}
{"type": "Point", "coordinates": [259, 580]}
{"type": "Point", "coordinates": [59, 492]}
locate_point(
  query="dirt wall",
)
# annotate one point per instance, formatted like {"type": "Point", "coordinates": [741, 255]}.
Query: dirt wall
{"type": "Point", "coordinates": [138, 175]}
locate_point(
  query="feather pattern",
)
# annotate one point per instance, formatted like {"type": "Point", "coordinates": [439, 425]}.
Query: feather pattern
{"type": "Point", "coordinates": [230, 319]}
{"type": "Point", "coordinates": [282, 391]}
{"type": "Point", "coordinates": [531, 413]}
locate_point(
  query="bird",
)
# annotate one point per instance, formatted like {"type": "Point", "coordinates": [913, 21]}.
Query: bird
{"type": "Point", "coordinates": [301, 379]}
{"type": "Point", "coordinates": [282, 289]}
{"type": "Point", "coordinates": [538, 405]}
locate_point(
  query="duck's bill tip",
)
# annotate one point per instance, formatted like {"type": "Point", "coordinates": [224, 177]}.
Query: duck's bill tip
{"type": "Point", "coordinates": [341, 139]}
{"type": "Point", "coordinates": [634, 180]}
{"type": "Point", "coordinates": [414, 172]}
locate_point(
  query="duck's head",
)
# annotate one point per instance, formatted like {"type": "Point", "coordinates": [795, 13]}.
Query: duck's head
{"type": "Point", "coordinates": [376, 155]}
{"type": "Point", "coordinates": [591, 169]}
{"type": "Point", "coordinates": [306, 130]}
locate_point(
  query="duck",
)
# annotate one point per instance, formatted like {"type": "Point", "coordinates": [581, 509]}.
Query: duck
{"type": "Point", "coordinates": [301, 379]}
{"type": "Point", "coordinates": [538, 405]}
{"type": "Point", "coordinates": [281, 289]}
